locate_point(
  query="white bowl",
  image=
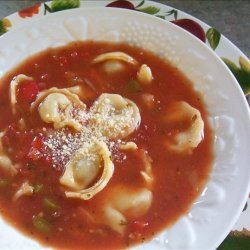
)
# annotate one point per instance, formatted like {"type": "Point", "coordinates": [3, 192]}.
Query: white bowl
{"type": "Point", "coordinates": [217, 209]}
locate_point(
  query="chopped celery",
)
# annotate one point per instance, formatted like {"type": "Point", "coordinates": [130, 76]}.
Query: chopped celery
{"type": "Point", "coordinates": [41, 224]}
{"type": "Point", "coordinates": [38, 188]}
{"type": "Point", "coordinates": [4, 183]}
{"type": "Point", "coordinates": [133, 86]}
{"type": "Point", "coordinates": [50, 204]}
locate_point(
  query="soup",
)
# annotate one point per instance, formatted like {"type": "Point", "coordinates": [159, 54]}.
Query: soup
{"type": "Point", "coordinates": [102, 146]}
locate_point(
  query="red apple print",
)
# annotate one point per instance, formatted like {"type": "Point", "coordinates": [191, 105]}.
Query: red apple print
{"type": "Point", "coordinates": [30, 11]}
{"type": "Point", "coordinates": [122, 4]}
{"type": "Point", "coordinates": [191, 26]}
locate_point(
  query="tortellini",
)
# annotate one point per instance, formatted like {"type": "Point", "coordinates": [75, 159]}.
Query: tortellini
{"type": "Point", "coordinates": [5, 162]}
{"type": "Point", "coordinates": [13, 86]}
{"type": "Point", "coordinates": [186, 141]}
{"type": "Point", "coordinates": [147, 173]}
{"type": "Point", "coordinates": [121, 56]}
{"type": "Point", "coordinates": [113, 66]}
{"type": "Point", "coordinates": [124, 204]}
{"type": "Point", "coordinates": [83, 169]}
{"type": "Point", "coordinates": [58, 106]}
{"type": "Point", "coordinates": [115, 116]}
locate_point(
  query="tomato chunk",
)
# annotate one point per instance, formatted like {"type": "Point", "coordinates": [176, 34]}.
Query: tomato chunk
{"type": "Point", "coordinates": [139, 225]}
{"type": "Point", "coordinates": [28, 91]}
{"type": "Point", "coordinates": [36, 149]}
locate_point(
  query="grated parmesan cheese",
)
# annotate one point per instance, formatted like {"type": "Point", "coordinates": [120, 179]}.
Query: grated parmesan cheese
{"type": "Point", "coordinates": [97, 126]}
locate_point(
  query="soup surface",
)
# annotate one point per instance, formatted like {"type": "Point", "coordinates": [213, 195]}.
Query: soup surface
{"type": "Point", "coordinates": [102, 146]}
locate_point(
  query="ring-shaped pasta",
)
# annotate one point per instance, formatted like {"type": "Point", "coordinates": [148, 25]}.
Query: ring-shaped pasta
{"type": "Point", "coordinates": [115, 116]}
{"type": "Point", "coordinates": [186, 141]}
{"type": "Point", "coordinates": [124, 204]}
{"type": "Point", "coordinates": [120, 56]}
{"type": "Point", "coordinates": [71, 96]}
{"type": "Point", "coordinates": [56, 106]}
{"type": "Point", "coordinates": [68, 178]}
{"type": "Point", "coordinates": [5, 162]}
{"type": "Point", "coordinates": [13, 85]}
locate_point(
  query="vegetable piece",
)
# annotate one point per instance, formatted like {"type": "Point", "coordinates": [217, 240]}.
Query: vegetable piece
{"type": "Point", "coordinates": [50, 204]}
{"type": "Point", "coordinates": [128, 146]}
{"type": "Point", "coordinates": [38, 188]}
{"type": "Point", "coordinates": [4, 183]}
{"type": "Point", "coordinates": [13, 89]}
{"type": "Point", "coordinates": [28, 91]}
{"type": "Point", "coordinates": [139, 225]}
{"type": "Point", "coordinates": [41, 224]}
{"type": "Point", "coordinates": [5, 162]}
{"type": "Point", "coordinates": [147, 173]}
{"type": "Point", "coordinates": [133, 86]}
{"type": "Point", "coordinates": [36, 149]}
{"type": "Point", "coordinates": [144, 75]}
{"type": "Point", "coordinates": [26, 189]}
{"type": "Point", "coordinates": [7, 165]}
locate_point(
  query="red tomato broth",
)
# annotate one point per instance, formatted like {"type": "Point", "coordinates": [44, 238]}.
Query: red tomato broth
{"type": "Point", "coordinates": [178, 178]}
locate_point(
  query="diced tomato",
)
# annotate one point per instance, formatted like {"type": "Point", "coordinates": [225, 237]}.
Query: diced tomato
{"type": "Point", "coordinates": [28, 91]}
{"type": "Point", "coordinates": [17, 142]}
{"type": "Point", "coordinates": [139, 225]}
{"type": "Point", "coordinates": [38, 151]}
{"type": "Point", "coordinates": [37, 143]}
{"type": "Point", "coordinates": [9, 135]}
{"type": "Point", "coordinates": [36, 148]}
